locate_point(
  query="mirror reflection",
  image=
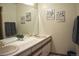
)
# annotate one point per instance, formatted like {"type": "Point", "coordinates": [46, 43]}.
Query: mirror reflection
{"type": "Point", "coordinates": [17, 18]}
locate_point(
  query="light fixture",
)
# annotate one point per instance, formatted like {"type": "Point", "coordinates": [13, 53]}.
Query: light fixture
{"type": "Point", "coordinates": [29, 3]}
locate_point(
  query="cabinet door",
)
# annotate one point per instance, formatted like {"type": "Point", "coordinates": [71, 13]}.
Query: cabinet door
{"type": "Point", "coordinates": [36, 50]}
{"type": "Point", "coordinates": [38, 53]}
{"type": "Point", "coordinates": [25, 53]}
{"type": "Point", "coordinates": [46, 49]}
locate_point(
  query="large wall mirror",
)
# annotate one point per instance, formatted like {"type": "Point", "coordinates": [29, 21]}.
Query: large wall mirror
{"type": "Point", "coordinates": [19, 18]}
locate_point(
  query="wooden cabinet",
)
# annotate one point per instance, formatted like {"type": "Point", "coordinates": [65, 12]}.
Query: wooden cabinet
{"type": "Point", "coordinates": [42, 49]}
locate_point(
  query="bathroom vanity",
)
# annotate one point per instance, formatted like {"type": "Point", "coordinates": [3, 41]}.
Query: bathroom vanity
{"type": "Point", "coordinates": [42, 47]}
{"type": "Point", "coordinates": [33, 46]}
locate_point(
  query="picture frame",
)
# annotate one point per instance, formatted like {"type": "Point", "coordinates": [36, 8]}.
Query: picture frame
{"type": "Point", "coordinates": [51, 14]}
{"type": "Point", "coordinates": [23, 20]}
{"type": "Point", "coordinates": [60, 16]}
{"type": "Point", "coordinates": [28, 16]}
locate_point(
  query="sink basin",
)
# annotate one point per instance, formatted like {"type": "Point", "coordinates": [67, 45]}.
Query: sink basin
{"type": "Point", "coordinates": [8, 50]}
{"type": "Point", "coordinates": [22, 42]}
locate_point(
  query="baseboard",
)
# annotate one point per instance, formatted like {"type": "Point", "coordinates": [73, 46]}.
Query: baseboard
{"type": "Point", "coordinates": [59, 54]}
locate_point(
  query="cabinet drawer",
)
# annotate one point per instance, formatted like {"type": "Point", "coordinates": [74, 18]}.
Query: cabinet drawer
{"type": "Point", "coordinates": [46, 40]}
{"type": "Point", "coordinates": [36, 47]}
{"type": "Point", "coordinates": [40, 44]}
{"type": "Point", "coordinates": [25, 53]}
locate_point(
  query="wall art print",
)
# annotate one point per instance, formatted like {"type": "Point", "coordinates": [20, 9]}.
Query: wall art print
{"type": "Point", "coordinates": [51, 14]}
{"type": "Point", "coordinates": [28, 16]}
{"type": "Point", "coordinates": [23, 20]}
{"type": "Point", "coordinates": [60, 16]}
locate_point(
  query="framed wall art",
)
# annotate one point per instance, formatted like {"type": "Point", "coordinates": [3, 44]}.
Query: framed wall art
{"type": "Point", "coordinates": [23, 20]}
{"type": "Point", "coordinates": [51, 14]}
{"type": "Point", "coordinates": [60, 16]}
{"type": "Point", "coordinates": [28, 16]}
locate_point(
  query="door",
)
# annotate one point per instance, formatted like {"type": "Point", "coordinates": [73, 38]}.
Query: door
{"type": "Point", "coordinates": [1, 32]}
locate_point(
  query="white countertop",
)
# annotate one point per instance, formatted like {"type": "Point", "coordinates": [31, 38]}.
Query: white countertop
{"type": "Point", "coordinates": [26, 44]}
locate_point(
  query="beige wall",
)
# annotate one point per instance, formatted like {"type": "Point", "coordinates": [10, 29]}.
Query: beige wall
{"type": "Point", "coordinates": [60, 31]}
{"type": "Point", "coordinates": [28, 27]}
{"type": "Point", "coordinates": [77, 9]}
{"type": "Point", "coordinates": [8, 13]}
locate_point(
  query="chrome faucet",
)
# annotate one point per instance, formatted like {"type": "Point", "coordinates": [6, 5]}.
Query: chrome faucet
{"type": "Point", "coordinates": [20, 37]}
